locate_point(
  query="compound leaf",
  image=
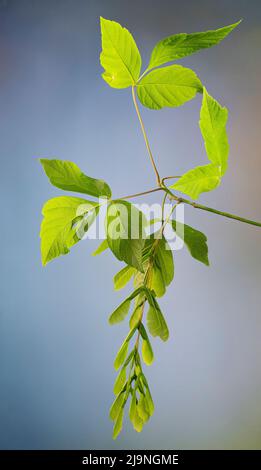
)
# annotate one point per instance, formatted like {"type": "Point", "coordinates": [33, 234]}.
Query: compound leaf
{"type": "Point", "coordinates": [120, 56]}
{"type": "Point", "coordinates": [168, 87]}
{"type": "Point", "coordinates": [68, 176]}
{"type": "Point", "coordinates": [181, 45]}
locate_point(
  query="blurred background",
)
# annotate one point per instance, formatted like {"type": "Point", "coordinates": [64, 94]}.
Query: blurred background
{"type": "Point", "coordinates": [56, 347]}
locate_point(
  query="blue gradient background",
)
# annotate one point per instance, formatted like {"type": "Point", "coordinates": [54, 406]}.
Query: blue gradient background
{"type": "Point", "coordinates": [56, 347]}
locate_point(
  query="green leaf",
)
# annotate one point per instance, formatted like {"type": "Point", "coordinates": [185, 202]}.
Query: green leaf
{"type": "Point", "coordinates": [136, 315]}
{"type": "Point", "coordinates": [142, 409]}
{"type": "Point", "coordinates": [123, 277]}
{"type": "Point", "coordinates": [118, 424]}
{"type": "Point", "coordinates": [121, 355]}
{"type": "Point", "coordinates": [63, 222]}
{"type": "Point", "coordinates": [129, 358]}
{"type": "Point", "coordinates": [199, 180]}
{"type": "Point", "coordinates": [120, 381]}
{"type": "Point", "coordinates": [195, 241]}
{"type": "Point", "coordinates": [120, 56]}
{"type": "Point", "coordinates": [164, 260]}
{"type": "Point", "coordinates": [120, 312]}
{"type": "Point", "coordinates": [146, 349]}
{"type": "Point", "coordinates": [116, 406]}
{"type": "Point", "coordinates": [157, 283]}
{"type": "Point", "coordinates": [132, 409]}
{"type": "Point", "coordinates": [168, 87]}
{"type": "Point", "coordinates": [149, 401]}
{"type": "Point", "coordinates": [183, 44]}
{"type": "Point", "coordinates": [147, 352]}
{"type": "Point", "coordinates": [131, 333]}
{"type": "Point", "coordinates": [101, 248]}
{"type": "Point", "coordinates": [137, 421]}
{"type": "Point", "coordinates": [68, 176]}
{"type": "Point", "coordinates": [163, 265]}
{"type": "Point", "coordinates": [213, 119]}
{"type": "Point", "coordinates": [125, 228]}
{"type": "Point", "coordinates": [155, 320]}
{"type": "Point", "coordinates": [123, 351]}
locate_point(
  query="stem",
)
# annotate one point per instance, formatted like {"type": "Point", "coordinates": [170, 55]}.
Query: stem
{"type": "Point", "coordinates": [145, 136]}
{"type": "Point", "coordinates": [164, 188]}
{"type": "Point", "coordinates": [169, 178]}
{"type": "Point", "coordinates": [141, 194]}
{"type": "Point", "coordinates": [192, 203]}
{"type": "Point", "coordinates": [142, 75]}
{"type": "Point", "coordinates": [210, 209]}
{"type": "Point", "coordinates": [163, 207]}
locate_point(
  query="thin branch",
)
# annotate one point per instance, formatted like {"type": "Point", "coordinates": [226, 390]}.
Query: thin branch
{"type": "Point", "coordinates": [142, 75]}
{"type": "Point", "coordinates": [163, 207]}
{"type": "Point", "coordinates": [141, 194]}
{"type": "Point", "coordinates": [145, 136]}
{"type": "Point", "coordinates": [169, 178]}
{"type": "Point", "coordinates": [210, 209]}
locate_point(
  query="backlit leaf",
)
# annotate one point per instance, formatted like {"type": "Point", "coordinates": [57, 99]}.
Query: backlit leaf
{"type": "Point", "coordinates": [68, 176]}
{"type": "Point", "coordinates": [116, 406]}
{"type": "Point", "coordinates": [213, 119]}
{"type": "Point", "coordinates": [146, 349]}
{"type": "Point", "coordinates": [180, 45]}
{"type": "Point", "coordinates": [149, 401]}
{"type": "Point", "coordinates": [118, 424]}
{"type": "Point", "coordinates": [147, 352]}
{"type": "Point", "coordinates": [64, 224]}
{"type": "Point", "coordinates": [137, 421]}
{"type": "Point", "coordinates": [136, 315]}
{"type": "Point", "coordinates": [142, 409]}
{"type": "Point", "coordinates": [120, 381]}
{"type": "Point", "coordinates": [199, 180]}
{"type": "Point", "coordinates": [132, 410]}
{"type": "Point", "coordinates": [120, 56]}
{"type": "Point", "coordinates": [125, 228]}
{"type": "Point", "coordinates": [195, 241]}
{"type": "Point", "coordinates": [121, 355]}
{"type": "Point", "coordinates": [123, 277]}
{"type": "Point", "coordinates": [162, 270]}
{"type": "Point", "coordinates": [120, 312]}
{"type": "Point", "coordinates": [168, 87]}
{"type": "Point", "coordinates": [155, 320]}
{"type": "Point", "coordinates": [101, 248]}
